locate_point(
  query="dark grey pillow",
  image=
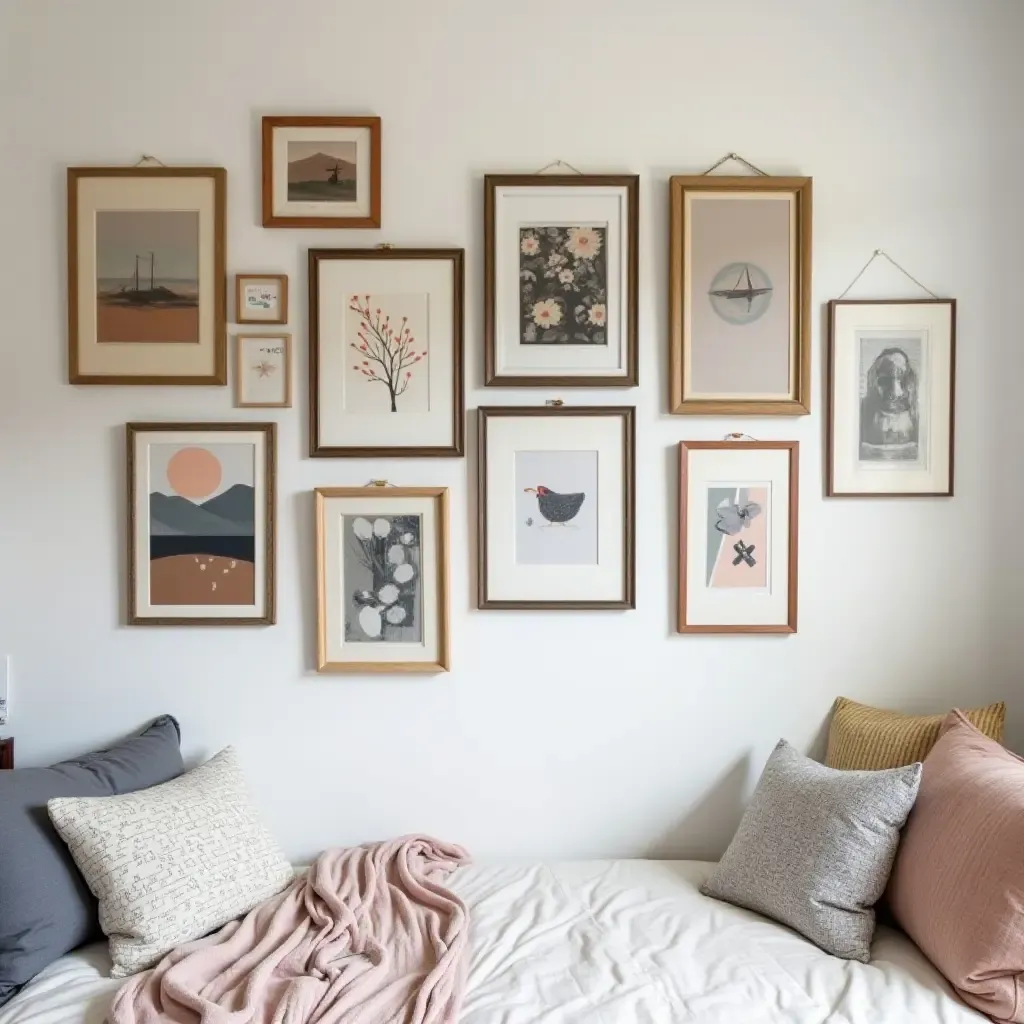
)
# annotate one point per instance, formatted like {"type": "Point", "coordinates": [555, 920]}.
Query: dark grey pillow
{"type": "Point", "coordinates": [46, 908]}
{"type": "Point", "coordinates": [815, 848]}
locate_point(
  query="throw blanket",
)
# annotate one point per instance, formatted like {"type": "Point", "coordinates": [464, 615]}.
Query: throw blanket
{"type": "Point", "coordinates": [369, 935]}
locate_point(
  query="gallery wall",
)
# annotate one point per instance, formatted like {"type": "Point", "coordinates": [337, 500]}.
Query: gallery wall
{"type": "Point", "coordinates": [559, 734]}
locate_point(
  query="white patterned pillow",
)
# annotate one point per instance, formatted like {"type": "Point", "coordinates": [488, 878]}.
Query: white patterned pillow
{"type": "Point", "coordinates": [172, 863]}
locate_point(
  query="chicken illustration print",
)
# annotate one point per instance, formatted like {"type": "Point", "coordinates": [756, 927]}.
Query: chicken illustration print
{"type": "Point", "coordinates": [557, 509]}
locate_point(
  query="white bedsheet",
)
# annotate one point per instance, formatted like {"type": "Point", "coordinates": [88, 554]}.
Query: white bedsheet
{"type": "Point", "coordinates": [614, 942]}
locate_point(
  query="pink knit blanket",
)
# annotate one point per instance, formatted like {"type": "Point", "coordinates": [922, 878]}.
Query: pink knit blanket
{"type": "Point", "coordinates": [370, 935]}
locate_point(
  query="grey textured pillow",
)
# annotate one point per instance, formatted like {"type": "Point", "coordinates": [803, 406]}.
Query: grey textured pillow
{"type": "Point", "coordinates": [815, 848]}
{"type": "Point", "coordinates": [46, 908]}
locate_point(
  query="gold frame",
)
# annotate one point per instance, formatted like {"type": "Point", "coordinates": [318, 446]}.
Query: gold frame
{"type": "Point", "coordinates": [286, 340]}
{"type": "Point", "coordinates": [282, 285]}
{"type": "Point", "coordinates": [800, 402]}
{"type": "Point", "coordinates": [219, 176]}
{"type": "Point", "coordinates": [443, 664]}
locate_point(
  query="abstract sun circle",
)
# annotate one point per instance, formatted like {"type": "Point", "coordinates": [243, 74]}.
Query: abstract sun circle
{"type": "Point", "coordinates": [194, 472]}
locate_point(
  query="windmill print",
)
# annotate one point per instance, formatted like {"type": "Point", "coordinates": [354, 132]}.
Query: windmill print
{"type": "Point", "coordinates": [387, 354]}
{"type": "Point", "coordinates": [322, 172]}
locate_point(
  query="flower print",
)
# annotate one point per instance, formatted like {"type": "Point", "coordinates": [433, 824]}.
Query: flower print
{"type": "Point", "coordinates": [583, 243]}
{"type": "Point", "coordinates": [598, 314]}
{"type": "Point", "coordinates": [566, 276]}
{"type": "Point", "coordinates": [530, 245]}
{"type": "Point", "coordinates": [556, 259]}
{"type": "Point", "coordinates": [547, 313]}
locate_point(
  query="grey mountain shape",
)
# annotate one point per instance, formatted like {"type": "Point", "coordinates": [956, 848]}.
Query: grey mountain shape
{"type": "Point", "coordinates": [177, 515]}
{"type": "Point", "coordinates": [318, 168]}
{"type": "Point", "coordinates": [236, 505]}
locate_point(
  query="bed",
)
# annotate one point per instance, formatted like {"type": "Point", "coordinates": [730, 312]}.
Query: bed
{"type": "Point", "coordinates": [614, 942]}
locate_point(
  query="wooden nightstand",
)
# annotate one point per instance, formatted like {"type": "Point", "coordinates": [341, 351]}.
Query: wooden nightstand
{"type": "Point", "coordinates": [6, 754]}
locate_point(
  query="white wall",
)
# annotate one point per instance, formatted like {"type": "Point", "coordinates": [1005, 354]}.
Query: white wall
{"type": "Point", "coordinates": [557, 734]}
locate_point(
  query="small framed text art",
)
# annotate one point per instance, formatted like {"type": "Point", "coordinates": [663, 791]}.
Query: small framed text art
{"type": "Point", "coordinates": [261, 298]}
{"type": "Point", "coordinates": [738, 505]}
{"type": "Point", "coordinates": [556, 507]}
{"type": "Point", "coordinates": [740, 295]}
{"type": "Point", "coordinates": [321, 172]}
{"type": "Point", "coordinates": [201, 524]}
{"type": "Point", "coordinates": [382, 579]}
{"type": "Point", "coordinates": [385, 355]}
{"type": "Point", "coordinates": [891, 376]}
{"type": "Point", "coordinates": [147, 285]}
{"type": "Point", "coordinates": [263, 371]}
{"type": "Point", "coordinates": [560, 280]}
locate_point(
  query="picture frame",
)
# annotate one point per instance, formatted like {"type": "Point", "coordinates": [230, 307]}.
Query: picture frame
{"type": "Point", "coordinates": [891, 398]}
{"type": "Point", "coordinates": [740, 295]}
{"type": "Point", "coordinates": [369, 396]}
{"type": "Point", "coordinates": [201, 523]}
{"type": "Point", "coordinates": [321, 172]}
{"type": "Point", "coordinates": [263, 371]}
{"type": "Point", "coordinates": [382, 579]}
{"type": "Point", "coordinates": [556, 507]}
{"type": "Point", "coordinates": [749, 490]}
{"type": "Point", "coordinates": [147, 278]}
{"type": "Point", "coordinates": [561, 271]}
{"type": "Point", "coordinates": [261, 298]}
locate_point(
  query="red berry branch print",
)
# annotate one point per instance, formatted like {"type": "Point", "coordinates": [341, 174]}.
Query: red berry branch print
{"type": "Point", "coordinates": [386, 352]}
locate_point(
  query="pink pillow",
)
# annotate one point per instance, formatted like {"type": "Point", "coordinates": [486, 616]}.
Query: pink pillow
{"type": "Point", "coordinates": [957, 888]}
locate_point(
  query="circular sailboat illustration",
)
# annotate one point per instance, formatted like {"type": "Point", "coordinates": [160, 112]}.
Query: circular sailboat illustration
{"type": "Point", "coordinates": [740, 293]}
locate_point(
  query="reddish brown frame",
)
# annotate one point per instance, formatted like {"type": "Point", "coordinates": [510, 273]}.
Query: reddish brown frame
{"type": "Point", "coordinates": [794, 509]}
{"type": "Point", "coordinates": [6, 754]}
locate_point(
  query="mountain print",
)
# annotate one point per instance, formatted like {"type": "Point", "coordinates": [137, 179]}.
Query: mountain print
{"type": "Point", "coordinates": [321, 178]}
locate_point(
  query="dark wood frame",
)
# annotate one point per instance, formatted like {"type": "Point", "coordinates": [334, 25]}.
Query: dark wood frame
{"type": "Point", "coordinates": [321, 451]}
{"type": "Point", "coordinates": [800, 404]}
{"type": "Point", "coordinates": [627, 413]}
{"type": "Point", "coordinates": [373, 220]}
{"type": "Point", "coordinates": [282, 285]}
{"type": "Point", "coordinates": [220, 326]}
{"type": "Point", "coordinates": [269, 430]}
{"type": "Point", "coordinates": [440, 498]}
{"type": "Point", "coordinates": [286, 341]}
{"type": "Point", "coordinates": [628, 379]}
{"type": "Point", "coordinates": [830, 491]}
{"type": "Point", "coordinates": [6, 754]}
{"type": "Point", "coordinates": [685, 447]}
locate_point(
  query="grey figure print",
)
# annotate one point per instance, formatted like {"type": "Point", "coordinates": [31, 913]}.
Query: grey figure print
{"type": "Point", "coordinates": [889, 411]}
{"type": "Point", "coordinates": [554, 507]}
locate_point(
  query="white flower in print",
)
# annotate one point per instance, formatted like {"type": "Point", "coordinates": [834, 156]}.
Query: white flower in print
{"type": "Point", "coordinates": [529, 245]}
{"type": "Point", "coordinates": [406, 538]}
{"type": "Point", "coordinates": [404, 573]}
{"type": "Point", "coordinates": [381, 527]}
{"type": "Point", "coordinates": [556, 259]}
{"type": "Point", "coordinates": [396, 554]}
{"type": "Point", "coordinates": [566, 276]}
{"type": "Point", "coordinates": [388, 594]}
{"type": "Point", "coordinates": [362, 528]}
{"type": "Point", "coordinates": [547, 313]}
{"type": "Point", "coordinates": [583, 243]}
{"type": "Point", "coordinates": [598, 314]}
{"type": "Point", "coordinates": [370, 621]}
{"type": "Point", "coordinates": [395, 615]}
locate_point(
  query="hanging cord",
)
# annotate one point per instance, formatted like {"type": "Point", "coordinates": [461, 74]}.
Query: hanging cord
{"type": "Point", "coordinates": [147, 159]}
{"type": "Point", "coordinates": [735, 156]}
{"type": "Point", "coordinates": [379, 483]}
{"type": "Point", "coordinates": [737, 436]}
{"type": "Point", "coordinates": [902, 270]}
{"type": "Point", "coordinates": [556, 164]}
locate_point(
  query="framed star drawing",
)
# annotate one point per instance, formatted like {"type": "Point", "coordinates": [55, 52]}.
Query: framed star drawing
{"type": "Point", "coordinates": [263, 371]}
{"type": "Point", "coordinates": [560, 280]}
{"type": "Point", "coordinates": [738, 510]}
{"type": "Point", "coordinates": [740, 295]}
{"type": "Point", "coordinates": [556, 506]}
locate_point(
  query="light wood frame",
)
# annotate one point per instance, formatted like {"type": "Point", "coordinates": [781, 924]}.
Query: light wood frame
{"type": "Point", "coordinates": [220, 182]}
{"type": "Point", "coordinates": [834, 304]}
{"type": "Point", "coordinates": [800, 403]}
{"type": "Point", "coordinates": [286, 341]}
{"type": "Point", "coordinates": [372, 220]}
{"type": "Point", "coordinates": [628, 416]}
{"type": "Point", "coordinates": [685, 447]}
{"type": "Point", "coordinates": [317, 450]}
{"type": "Point", "coordinates": [282, 290]}
{"type": "Point", "coordinates": [630, 377]}
{"type": "Point", "coordinates": [440, 499]}
{"type": "Point", "coordinates": [269, 430]}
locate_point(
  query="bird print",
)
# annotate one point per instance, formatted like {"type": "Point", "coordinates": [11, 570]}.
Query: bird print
{"type": "Point", "coordinates": [555, 507]}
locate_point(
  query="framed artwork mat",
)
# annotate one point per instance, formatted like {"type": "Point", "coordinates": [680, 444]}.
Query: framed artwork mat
{"type": "Point", "coordinates": [147, 284]}
{"type": "Point", "coordinates": [740, 295]}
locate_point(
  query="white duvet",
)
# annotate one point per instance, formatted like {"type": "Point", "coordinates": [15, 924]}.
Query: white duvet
{"type": "Point", "coordinates": [614, 942]}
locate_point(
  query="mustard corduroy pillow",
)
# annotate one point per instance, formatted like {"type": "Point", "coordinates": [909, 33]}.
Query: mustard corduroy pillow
{"type": "Point", "coordinates": [863, 737]}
